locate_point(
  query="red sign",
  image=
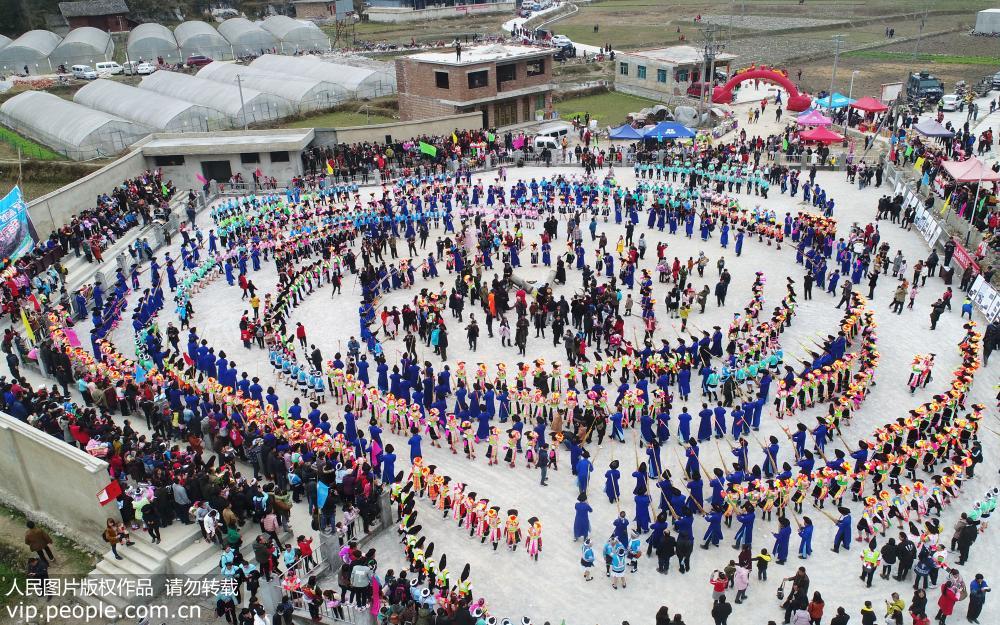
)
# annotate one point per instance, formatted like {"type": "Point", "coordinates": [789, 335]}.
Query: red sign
{"type": "Point", "coordinates": [963, 258]}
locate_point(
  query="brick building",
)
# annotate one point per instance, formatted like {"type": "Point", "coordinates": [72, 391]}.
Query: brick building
{"type": "Point", "coordinates": [108, 15]}
{"type": "Point", "coordinates": [322, 10]}
{"type": "Point", "coordinates": [508, 84]}
{"type": "Point", "coordinates": [666, 72]}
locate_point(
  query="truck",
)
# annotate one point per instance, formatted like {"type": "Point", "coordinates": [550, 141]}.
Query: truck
{"type": "Point", "coordinates": [924, 86]}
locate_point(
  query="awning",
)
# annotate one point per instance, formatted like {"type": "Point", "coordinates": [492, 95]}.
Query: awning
{"type": "Point", "coordinates": [624, 131]}
{"type": "Point", "coordinates": [972, 170]}
{"type": "Point", "coordinates": [669, 130]}
{"type": "Point", "coordinates": [821, 135]}
{"type": "Point", "coordinates": [813, 118]}
{"type": "Point", "coordinates": [835, 101]}
{"type": "Point", "coordinates": [930, 128]}
{"type": "Point", "coordinates": [869, 105]}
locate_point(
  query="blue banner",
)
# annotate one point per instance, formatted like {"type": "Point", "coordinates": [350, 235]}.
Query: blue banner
{"type": "Point", "coordinates": [15, 232]}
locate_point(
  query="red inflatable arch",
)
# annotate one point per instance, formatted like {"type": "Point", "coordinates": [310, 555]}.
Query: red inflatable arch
{"type": "Point", "coordinates": [796, 101]}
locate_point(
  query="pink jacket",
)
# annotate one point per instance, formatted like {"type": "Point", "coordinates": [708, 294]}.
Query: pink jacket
{"type": "Point", "coordinates": [270, 523]}
{"type": "Point", "coordinates": [741, 580]}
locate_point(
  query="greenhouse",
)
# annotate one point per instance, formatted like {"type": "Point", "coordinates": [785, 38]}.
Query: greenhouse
{"type": "Point", "coordinates": [247, 107]}
{"type": "Point", "coordinates": [305, 94]}
{"type": "Point", "coordinates": [157, 111]}
{"type": "Point", "coordinates": [196, 37]}
{"type": "Point", "coordinates": [361, 82]}
{"type": "Point", "coordinates": [247, 38]}
{"type": "Point", "coordinates": [84, 45]}
{"type": "Point", "coordinates": [150, 42]}
{"type": "Point", "coordinates": [4, 40]}
{"type": "Point", "coordinates": [295, 36]}
{"type": "Point", "coordinates": [32, 49]}
{"type": "Point", "coordinates": [73, 129]}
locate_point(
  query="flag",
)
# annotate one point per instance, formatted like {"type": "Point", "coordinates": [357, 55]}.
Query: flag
{"type": "Point", "coordinates": [518, 142]}
{"type": "Point", "coordinates": [454, 138]}
{"type": "Point", "coordinates": [322, 492]}
{"type": "Point", "coordinates": [34, 302]}
{"type": "Point", "coordinates": [27, 327]}
{"type": "Point", "coordinates": [140, 373]}
{"type": "Point", "coordinates": [918, 164]}
{"type": "Point", "coordinates": [109, 493]}
{"type": "Point", "coordinates": [428, 149]}
{"type": "Point", "coordinates": [201, 179]}
{"type": "Point", "coordinates": [947, 203]}
{"type": "Point", "coordinates": [490, 137]}
{"type": "Point", "coordinates": [188, 360]}
{"type": "Point", "coordinates": [329, 165]}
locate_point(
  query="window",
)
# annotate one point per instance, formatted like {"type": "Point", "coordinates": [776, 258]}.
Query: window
{"type": "Point", "coordinates": [640, 72]}
{"type": "Point", "coordinates": [479, 79]}
{"type": "Point", "coordinates": [623, 69]}
{"type": "Point", "coordinates": [536, 68]}
{"type": "Point", "coordinates": [169, 161]}
{"type": "Point", "coordinates": [661, 75]}
{"type": "Point", "coordinates": [279, 157]}
{"type": "Point", "coordinates": [681, 75]}
{"type": "Point", "coordinates": [441, 80]}
{"type": "Point", "coordinates": [506, 73]}
{"type": "Point", "coordinates": [249, 158]}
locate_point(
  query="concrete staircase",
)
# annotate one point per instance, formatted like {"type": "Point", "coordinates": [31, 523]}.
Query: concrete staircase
{"type": "Point", "coordinates": [181, 553]}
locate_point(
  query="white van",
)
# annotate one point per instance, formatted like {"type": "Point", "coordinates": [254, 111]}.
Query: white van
{"type": "Point", "coordinates": [542, 142]}
{"type": "Point", "coordinates": [108, 67]}
{"type": "Point", "coordinates": [83, 72]}
{"type": "Point", "coordinates": [556, 131]}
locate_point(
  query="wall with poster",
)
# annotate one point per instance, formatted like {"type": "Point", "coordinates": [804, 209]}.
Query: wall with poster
{"type": "Point", "coordinates": [16, 235]}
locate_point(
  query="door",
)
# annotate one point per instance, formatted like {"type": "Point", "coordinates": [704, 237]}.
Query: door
{"type": "Point", "coordinates": [219, 171]}
{"type": "Point", "coordinates": [506, 113]}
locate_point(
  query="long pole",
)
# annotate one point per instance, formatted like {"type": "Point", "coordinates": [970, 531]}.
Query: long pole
{"type": "Point", "coordinates": [243, 106]}
{"type": "Point", "coordinates": [975, 205]}
{"type": "Point", "coordinates": [838, 40]}
{"type": "Point", "coordinates": [850, 92]}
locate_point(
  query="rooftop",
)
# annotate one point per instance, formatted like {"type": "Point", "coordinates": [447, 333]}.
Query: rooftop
{"type": "Point", "coordinates": [233, 142]}
{"type": "Point", "coordinates": [93, 7]}
{"type": "Point", "coordinates": [678, 55]}
{"type": "Point", "coordinates": [482, 54]}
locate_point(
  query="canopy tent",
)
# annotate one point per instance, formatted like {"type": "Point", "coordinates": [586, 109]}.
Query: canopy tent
{"type": "Point", "coordinates": [972, 170]}
{"type": "Point", "coordinates": [821, 135]}
{"type": "Point", "coordinates": [931, 128]}
{"type": "Point", "coordinates": [869, 105]}
{"type": "Point", "coordinates": [669, 130]}
{"type": "Point", "coordinates": [813, 118]}
{"type": "Point", "coordinates": [835, 101]}
{"type": "Point", "coordinates": [624, 132]}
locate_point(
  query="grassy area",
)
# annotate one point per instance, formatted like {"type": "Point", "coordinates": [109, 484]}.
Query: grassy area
{"type": "Point", "coordinates": [607, 108]}
{"type": "Point", "coordinates": [946, 59]}
{"type": "Point", "coordinates": [10, 141]}
{"type": "Point", "coordinates": [336, 119]}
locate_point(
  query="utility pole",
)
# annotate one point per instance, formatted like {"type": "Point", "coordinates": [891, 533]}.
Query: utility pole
{"type": "Point", "coordinates": [243, 106]}
{"type": "Point", "coordinates": [708, 67]}
{"type": "Point", "coordinates": [838, 41]}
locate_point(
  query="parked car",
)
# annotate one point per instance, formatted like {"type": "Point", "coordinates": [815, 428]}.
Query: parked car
{"type": "Point", "coordinates": [698, 88]}
{"type": "Point", "coordinates": [951, 102]}
{"type": "Point", "coordinates": [133, 68]}
{"type": "Point", "coordinates": [108, 67]}
{"type": "Point", "coordinates": [197, 60]}
{"type": "Point", "coordinates": [924, 86]}
{"type": "Point", "coordinates": [996, 80]}
{"type": "Point", "coordinates": [560, 41]}
{"type": "Point", "coordinates": [565, 52]}
{"type": "Point", "coordinates": [83, 72]}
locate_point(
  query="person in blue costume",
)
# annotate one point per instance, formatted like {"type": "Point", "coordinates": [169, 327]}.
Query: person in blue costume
{"type": "Point", "coordinates": [621, 528]}
{"type": "Point", "coordinates": [705, 423]}
{"type": "Point", "coordinates": [611, 478]}
{"type": "Point", "coordinates": [844, 528]}
{"type": "Point", "coordinates": [584, 467]}
{"type": "Point", "coordinates": [781, 538]}
{"type": "Point", "coordinates": [713, 535]}
{"type": "Point", "coordinates": [581, 522]}
{"type": "Point", "coordinates": [744, 535]}
{"type": "Point", "coordinates": [805, 538]}
{"type": "Point", "coordinates": [642, 505]}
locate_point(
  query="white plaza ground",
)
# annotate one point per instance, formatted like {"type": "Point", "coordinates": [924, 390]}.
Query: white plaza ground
{"type": "Point", "coordinates": [552, 589]}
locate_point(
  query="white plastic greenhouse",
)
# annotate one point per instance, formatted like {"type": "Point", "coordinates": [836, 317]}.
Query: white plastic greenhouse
{"type": "Point", "coordinates": [72, 129]}
{"type": "Point", "coordinates": [306, 94]}
{"type": "Point", "coordinates": [4, 41]}
{"type": "Point", "coordinates": [159, 112]}
{"type": "Point", "coordinates": [32, 49]}
{"type": "Point", "coordinates": [197, 37]}
{"type": "Point", "coordinates": [149, 42]}
{"type": "Point", "coordinates": [362, 82]}
{"type": "Point", "coordinates": [247, 38]}
{"type": "Point", "coordinates": [295, 36]}
{"type": "Point", "coordinates": [84, 45]}
{"type": "Point", "coordinates": [250, 106]}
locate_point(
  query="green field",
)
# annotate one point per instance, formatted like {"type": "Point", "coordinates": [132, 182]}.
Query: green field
{"type": "Point", "coordinates": [336, 119]}
{"type": "Point", "coordinates": [10, 141]}
{"type": "Point", "coordinates": [946, 59]}
{"type": "Point", "coordinates": [609, 109]}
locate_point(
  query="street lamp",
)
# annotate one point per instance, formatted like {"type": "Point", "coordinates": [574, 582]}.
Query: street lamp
{"type": "Point", "coordinates": [850, 92]}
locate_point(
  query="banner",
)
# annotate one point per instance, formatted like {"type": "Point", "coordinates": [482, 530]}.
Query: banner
{"type": "Point", "coordinates": [15, 232]}
{"type": "Point", "coordinates": [428, 149]}
{"type": "Point", "coordinates": [962, 256]}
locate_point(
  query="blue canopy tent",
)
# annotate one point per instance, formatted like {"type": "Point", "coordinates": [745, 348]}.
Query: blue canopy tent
{"type": "Point", "coordinates": [835, 101]}
{"type": "Point", "coordinates": [624, 132]}
{"type": "Point", "coordinates": [669, 130]}
{"type": "Point", "coordinates": [931, 128]}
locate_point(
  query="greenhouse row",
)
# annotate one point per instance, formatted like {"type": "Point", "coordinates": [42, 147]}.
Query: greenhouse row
{"type": "Point", "coordinates": [42, 51]}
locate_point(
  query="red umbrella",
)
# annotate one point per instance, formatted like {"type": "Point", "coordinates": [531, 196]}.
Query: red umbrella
{"type": "Point", "coordinates": [869, 105]}
{"type": "Point", "coordinates": [821, 135]}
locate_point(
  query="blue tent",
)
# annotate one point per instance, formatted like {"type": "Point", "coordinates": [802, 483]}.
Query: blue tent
{"type": "Point", "coordinates": [624, 132]}
{"type": "Point", "coordinates": [669, 130]}
{"type": "Point", "coordinates": [839, 101]}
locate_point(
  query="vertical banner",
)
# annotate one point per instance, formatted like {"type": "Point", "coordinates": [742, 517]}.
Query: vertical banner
{"type": "Point", "coordinates": [15, 232]}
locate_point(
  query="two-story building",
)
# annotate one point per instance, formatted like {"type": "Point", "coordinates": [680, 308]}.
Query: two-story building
{"type": "Point", "coordinates": [508, 84]}
{"type": "Point", "coordinates": [665, 72]}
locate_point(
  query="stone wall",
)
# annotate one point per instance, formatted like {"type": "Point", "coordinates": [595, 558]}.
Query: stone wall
{"type": "Point", "coordinates": [399, 130]}
{"type": "Point", "coordinates": [51, 481]}
{"type": "Point", "coordinates": [398, 15]}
